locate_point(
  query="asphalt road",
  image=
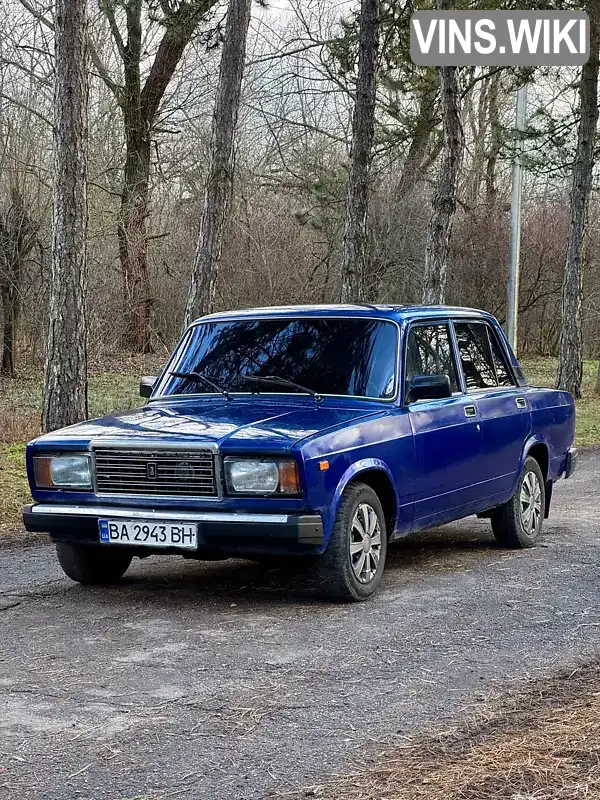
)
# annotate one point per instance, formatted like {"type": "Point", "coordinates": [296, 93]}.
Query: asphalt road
{"type": "Point", "coordinates": [222, 681]}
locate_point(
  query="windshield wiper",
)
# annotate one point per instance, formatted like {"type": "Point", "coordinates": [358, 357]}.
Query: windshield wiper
{"type": "Point", "coordinates": [198, 377]}
{"type": "Point", "coordinates": [275, 380]}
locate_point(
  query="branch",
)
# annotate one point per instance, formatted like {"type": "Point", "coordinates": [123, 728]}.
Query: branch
{"type": "Point", "coordinates": [27, 108]}
{"type": "Point", "coordinates": [109, 12]}
{"type": "Point", "coordinates": [102, 71]}
{"type": "Point", "coordinates": [296, 51]}
{"type": "Point", "coordinates": [95, 58]}
{"type": "Point", "coordinates": [307, 126]}
{"type": "Point", "coordinates": [180, 27]}
{"type": "Point", "coordinates": [37, 14]}
{"type": "Point", "coordinates": [44, 81]}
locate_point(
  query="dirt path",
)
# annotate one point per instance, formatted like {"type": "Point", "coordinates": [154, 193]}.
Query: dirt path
{"type": "Point", "coordinates": [219, 681]}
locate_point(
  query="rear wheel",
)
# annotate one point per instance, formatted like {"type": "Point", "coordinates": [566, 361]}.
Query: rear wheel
{"type": "Point", "coordinates": [519, 522]}
{"type": "Point", "coordinates": [352, 566]}
{"type": "Point", "coordinates": [92, 565]}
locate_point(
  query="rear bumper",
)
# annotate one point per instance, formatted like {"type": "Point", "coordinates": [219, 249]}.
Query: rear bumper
{"type": "Point", "coordinates": [571, 462]}
{"type": "Point", "coordinates": [217, 531]}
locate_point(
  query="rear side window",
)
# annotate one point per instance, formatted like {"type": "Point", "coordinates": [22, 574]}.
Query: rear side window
{"type": "Point", "coordinates": [480, 356]}
{"type": "Point", "coordinates": [429, 352]}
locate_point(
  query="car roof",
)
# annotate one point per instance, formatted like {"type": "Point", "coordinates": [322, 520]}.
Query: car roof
{"type": "Point", "coordinates": [399, 313]}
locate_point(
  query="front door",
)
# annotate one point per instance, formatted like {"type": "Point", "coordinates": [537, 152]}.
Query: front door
{"type": "Point", "coordinates": [446, 432]}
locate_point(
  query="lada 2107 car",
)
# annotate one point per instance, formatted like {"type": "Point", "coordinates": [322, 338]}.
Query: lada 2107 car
{"type": "Point", "coordinates": [322, 433]}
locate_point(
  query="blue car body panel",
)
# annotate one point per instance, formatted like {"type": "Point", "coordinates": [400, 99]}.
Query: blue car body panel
{"type": "Point", "coordinates": [436, 462]}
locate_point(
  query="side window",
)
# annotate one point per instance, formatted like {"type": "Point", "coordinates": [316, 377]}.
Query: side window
{"type": "Point", "coordinates": [429, 352]}
{"type": "Point", "coordinates": [502, 372]}
{"type": "Point", "coordinates": [476, 355]}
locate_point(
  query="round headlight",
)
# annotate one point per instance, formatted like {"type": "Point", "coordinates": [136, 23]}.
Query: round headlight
{"type": "Point", "coordinates": [252, 477]}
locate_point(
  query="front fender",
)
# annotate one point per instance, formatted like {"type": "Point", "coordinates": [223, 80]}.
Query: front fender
{"type": "Point", "coordinates": [350, 474]}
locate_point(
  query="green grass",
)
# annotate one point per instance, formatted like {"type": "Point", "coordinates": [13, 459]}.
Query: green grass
{"type": "Point", "coordinates": [107, 392]}
{"type": "Point", "coordinates": [21, 403]}
{"type": "Point", "coordinates": [542, 372]}
{"type": "Point", "coordinates": [14, 490]}
{"type": "Point", "coordinates": [20, 414]}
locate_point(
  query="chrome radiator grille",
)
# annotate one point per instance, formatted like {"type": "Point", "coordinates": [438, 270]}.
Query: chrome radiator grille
{"type": "Point", "coordinates": [155, 472]}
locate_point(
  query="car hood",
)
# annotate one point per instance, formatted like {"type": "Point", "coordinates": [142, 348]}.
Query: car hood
{"type": "Point", "coordinates": [229, 424]}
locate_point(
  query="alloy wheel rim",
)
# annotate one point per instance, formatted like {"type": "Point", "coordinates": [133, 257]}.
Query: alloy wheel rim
{"type": "Point", "coordinates": [531, 503]}
{"type": "Point", "coordinates": [365, 543]}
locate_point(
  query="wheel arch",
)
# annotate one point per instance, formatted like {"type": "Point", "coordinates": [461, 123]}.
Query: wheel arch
{"type": "Point", "coordinates": [537, 448]}
{"type": "Point", "coordinates": [376, 474]}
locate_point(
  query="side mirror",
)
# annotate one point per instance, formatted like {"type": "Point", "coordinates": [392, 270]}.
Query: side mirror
{"type": "Point", "coordinates": [428, 387]}
{"type": "Point", "coordinates": [147, 384]}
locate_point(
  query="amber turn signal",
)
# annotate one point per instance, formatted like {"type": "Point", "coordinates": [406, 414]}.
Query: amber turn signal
{"type": "Point", "coordinates": [324, 465]}
{"type": "Point", "coordinates": [43, 477]}
{"type": "Point", "coordinates": [289, 482]}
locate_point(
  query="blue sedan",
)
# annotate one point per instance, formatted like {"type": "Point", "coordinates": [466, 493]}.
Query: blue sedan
{"type": "Point", "coordinates": [317, 433]}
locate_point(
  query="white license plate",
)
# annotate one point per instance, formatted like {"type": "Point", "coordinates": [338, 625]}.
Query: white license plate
{"type": "Point", "coordinates": [149, 534]}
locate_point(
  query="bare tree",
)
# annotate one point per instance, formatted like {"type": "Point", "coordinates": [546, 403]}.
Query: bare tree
{"type": "Point", "coordinates": [444, 195]}
{"type": "Point", "coordinates": [356, 235]}
{"type": "Point", "coordinates": [570, 365]}
{"type": "Point", "coordinates": [17, 238]}
{"type": "Point", "coordinates": [219, 184]}
{"type": "Point", "coordinates": [140, 102]}
{"type": "Point", "coordinates": [65, 388]}
{"type": "Point", "coordinates": [133, 28]}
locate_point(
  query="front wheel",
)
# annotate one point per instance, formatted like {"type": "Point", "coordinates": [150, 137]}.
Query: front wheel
{"type": "Point", "coordinates": [352, 566]}
{"type": "Point", "coordinates": [92, 565]}
{"type": "Point", "coordinates": [518, 523]}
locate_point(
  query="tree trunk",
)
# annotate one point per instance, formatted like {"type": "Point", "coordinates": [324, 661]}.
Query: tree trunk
{"type": "Point", "coordinates": [425, 126]}
{"type": "Point", "coordinates": [133, 250]}
{"type": "Point", "coordinates": [17, 237]}
{"type": "Point", "coordinates": [495, 128]}
{"type": "Point", "coordinates": [219, 185]}
{"type": "Point", "coordinates": [8, 330]}
{"type": "Point", "coordinates": [355, 264]}
{"type": "Point", "coordinates": [65, 390]}
{"type": "Point", "coordinates": [478, 119]}
{"type": "Point", "coordinates": [444, 196]}
{"type": "Point", "coordinates": [570, 366]}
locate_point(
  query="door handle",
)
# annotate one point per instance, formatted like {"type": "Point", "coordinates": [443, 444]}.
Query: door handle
{"type": "Point", "coordinates": [470, 411]}
{"type": "Point", "coordinates": [521, 402]}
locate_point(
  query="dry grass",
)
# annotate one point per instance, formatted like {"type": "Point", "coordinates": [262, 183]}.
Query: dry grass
{"type": "Point", "coordinates": [541, 742]}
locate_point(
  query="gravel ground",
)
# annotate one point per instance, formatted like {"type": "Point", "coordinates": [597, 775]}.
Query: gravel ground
{"type": "Point", "coordinates": [222, 681]}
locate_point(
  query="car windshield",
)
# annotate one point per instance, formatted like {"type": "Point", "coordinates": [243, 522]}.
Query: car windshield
{"type": "Point", "coordinates": [341, 356]}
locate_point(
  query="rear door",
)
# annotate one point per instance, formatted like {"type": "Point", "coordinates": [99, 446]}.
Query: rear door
{"type": "Point", "coordinates": [446, 432]}
{"type": "Point", "coordinates": [502, 405]}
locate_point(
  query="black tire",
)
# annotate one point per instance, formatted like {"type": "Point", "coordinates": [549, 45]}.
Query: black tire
{"type": "Point", "coordinates": [332, 574]}
{"type": "Point", "coordinates": [92, 565]}
{"type": "Point", "coordinates": [511, 524]}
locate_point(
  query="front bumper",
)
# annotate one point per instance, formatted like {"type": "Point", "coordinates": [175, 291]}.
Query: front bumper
{"type": "Point", "coordinates": [217, 531]}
